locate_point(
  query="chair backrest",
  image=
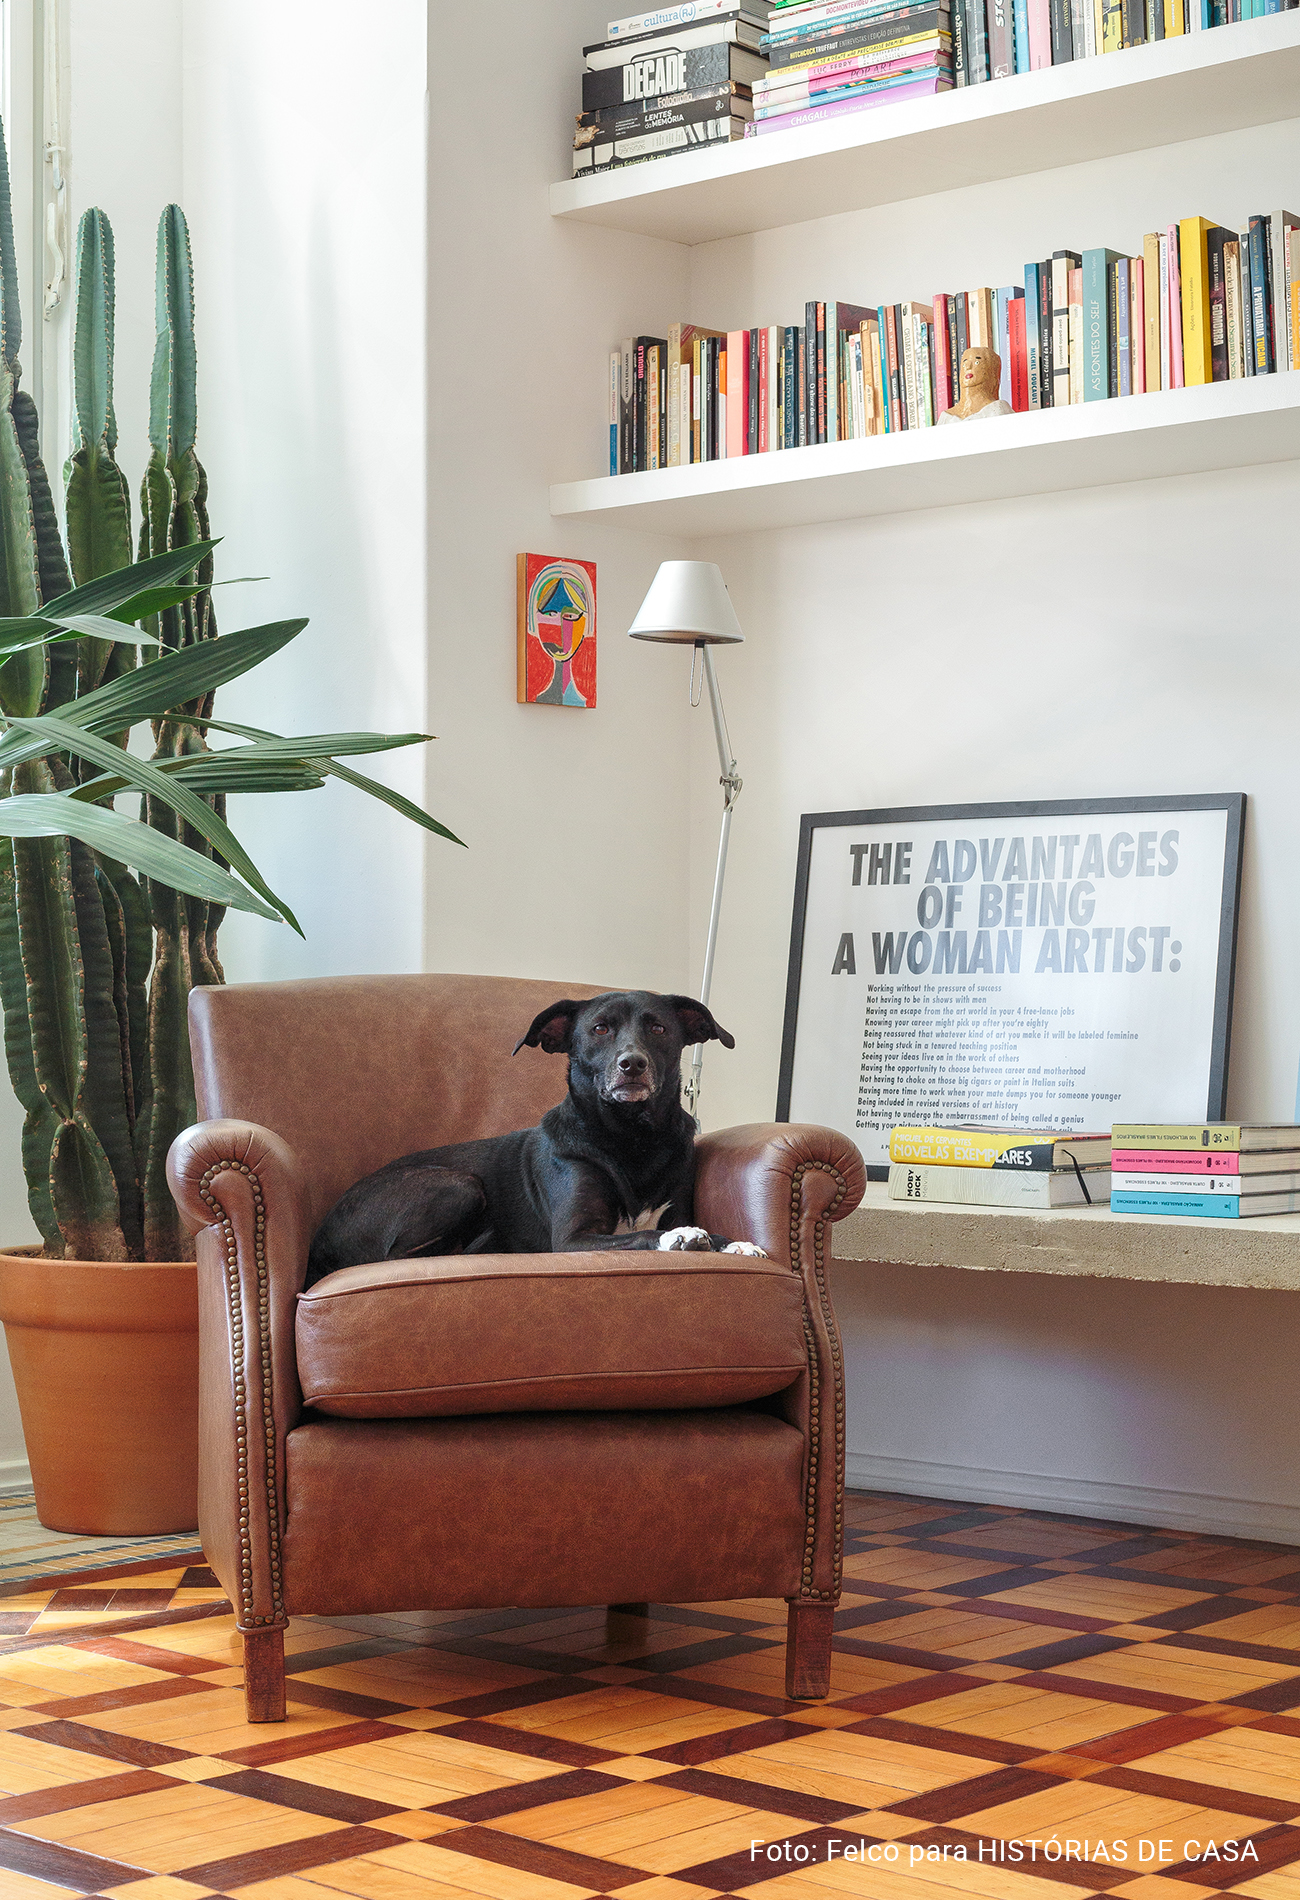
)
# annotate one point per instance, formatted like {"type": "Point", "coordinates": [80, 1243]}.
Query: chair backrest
{"type": "Point", "coordinates": [354, 1071]}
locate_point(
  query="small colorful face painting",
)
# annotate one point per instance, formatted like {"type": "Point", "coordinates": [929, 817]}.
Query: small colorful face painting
{"type": "Point", "coordinates": [556, 631]}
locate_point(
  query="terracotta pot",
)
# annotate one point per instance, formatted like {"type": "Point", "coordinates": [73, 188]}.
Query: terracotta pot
{"type": "Point", "coordinates": [106, 1362]}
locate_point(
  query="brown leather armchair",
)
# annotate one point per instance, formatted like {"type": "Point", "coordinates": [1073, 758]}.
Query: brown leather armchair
{"type": "Point", "coordinates": [484, 1431]}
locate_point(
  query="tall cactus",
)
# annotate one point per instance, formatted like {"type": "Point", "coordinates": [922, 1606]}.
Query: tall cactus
{"type": "Point", "coordinates": [56, 963]}
{"type": "Point", "coordinates": [174, 514]}
{"type": "Point", "coordinates": [97, 959]}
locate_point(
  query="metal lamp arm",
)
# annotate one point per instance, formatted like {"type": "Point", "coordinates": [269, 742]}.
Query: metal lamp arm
{"type": "Point", "coordinates": [731, 783]}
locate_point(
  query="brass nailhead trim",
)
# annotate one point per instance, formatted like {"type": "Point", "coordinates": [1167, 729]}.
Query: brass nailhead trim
{"type": "Point", "coordinates": [808, 1592]}
{"type": "Point", "coordinates": [235, 1302]}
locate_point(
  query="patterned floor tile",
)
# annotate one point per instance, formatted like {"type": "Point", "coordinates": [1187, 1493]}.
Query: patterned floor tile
{"type": "Point", "coordinates": [1118, 1707]}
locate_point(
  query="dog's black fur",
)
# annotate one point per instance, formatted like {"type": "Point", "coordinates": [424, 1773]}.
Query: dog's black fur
{"type": "Point", "coordinates": [612, 1166]}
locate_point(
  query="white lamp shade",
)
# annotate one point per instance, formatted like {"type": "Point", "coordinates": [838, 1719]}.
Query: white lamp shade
{"type": "Point", "coordinates": [687, 605]}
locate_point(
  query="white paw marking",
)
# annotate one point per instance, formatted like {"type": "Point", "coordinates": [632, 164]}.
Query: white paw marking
{"type": "Point", "coordinates": [746, 1247]}
{"type": "Point", "coordinates": [684, 1239]}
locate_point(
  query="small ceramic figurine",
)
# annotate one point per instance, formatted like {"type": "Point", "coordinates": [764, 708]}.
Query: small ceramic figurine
{"type": "Point", "coordinates": [980, 374]}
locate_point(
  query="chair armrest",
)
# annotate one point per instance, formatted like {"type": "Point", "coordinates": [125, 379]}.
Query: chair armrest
{"type": "Point", "coordinates": [240, 1191]}
{"type": "Point", "coordinates": [780, 1185]}
{"type": "Point", "coordinates": [777, 1184]}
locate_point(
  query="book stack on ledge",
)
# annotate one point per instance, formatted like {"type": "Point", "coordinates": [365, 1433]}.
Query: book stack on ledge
{"type": "Point", "coordinates": [832, 57]}
{"type": "Point", "coordinates": [1219, 1170]}
{"type": "Point", "coordinates": [829, 45]}
{"type": "Point", "coordinates": [667, 80]}
{"type": "Point", "coordinates": [1202, 303]}
{"type": "Point", "coordinates": [999, 1167]}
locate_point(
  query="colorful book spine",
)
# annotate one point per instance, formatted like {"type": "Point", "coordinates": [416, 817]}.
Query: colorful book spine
{"type": "Point", "coordinates": [1216, 243]}
{"type": "Point", "coordinates": [737, 393]}
{"type": "Point", "coordinates": [1181, 1161]}
{"type": "Point", "coordinates": [1040, 34]}
{"type": "Point", "coordinates": [1261, 320]}
{"type": "Point", "coordinates": [1175, 308]}
{"type": "Point", "coordinates": [1097, 310]}
{"type": "Point", "coordinates": [615, 381]}
{"type": "Point", "coordinates": [1210, 1206]}
{"type": "Point", "coordinates": [1033, 352]}
{"type": "Point", "coordinates": [1138, 323]}
{"type": "Point", "coordinates": [1020, 33]}
{"type": "Point", "coordinates": [889, 94]}
{"type": "Point", "coordinates": [943, 383]}
{"type": "Point", "coordinates": [1017, 346]}
{"type": "Point", "coordinates": [1123, 333]}
{"type": "Point", "coordinates": [1194, 268]}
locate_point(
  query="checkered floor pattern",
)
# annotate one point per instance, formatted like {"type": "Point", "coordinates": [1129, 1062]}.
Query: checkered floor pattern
{"type": "Point", "coordinates": [1120, 1708]}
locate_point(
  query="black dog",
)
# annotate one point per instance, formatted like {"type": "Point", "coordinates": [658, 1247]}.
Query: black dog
{"type": "Point", "coordinates": [612, 1166]}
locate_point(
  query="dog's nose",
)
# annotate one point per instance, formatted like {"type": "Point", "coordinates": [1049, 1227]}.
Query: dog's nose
{"type": "Point", "coordinates": [632, 1062]}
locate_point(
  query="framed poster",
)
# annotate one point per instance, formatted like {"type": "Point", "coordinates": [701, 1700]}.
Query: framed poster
{"type": "Point", "coordinates": [1066, 965]}
{"type": "Point", "coordinates": [555, 631]}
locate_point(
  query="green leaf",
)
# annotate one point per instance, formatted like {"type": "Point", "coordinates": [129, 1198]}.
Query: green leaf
{"type": "Point", "coordinates": [150, 691]}
{"type": "Point", "coordinates": [385, 795]}
{"type": "Point", "coordinates": [103, 627]}
{"type": "Point", "coordinates": [51, 815]}
{"type": "Point", "coordinates": [152, 601]}
{"type": "Point", "coordinates": [110, 590]}
{"type": "Point", "coordinates": [63, 736]}
{"type": "Point", "coordinates": [210, 772]}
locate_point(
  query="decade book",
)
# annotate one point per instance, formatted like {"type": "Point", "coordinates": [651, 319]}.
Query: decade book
{"type": "Point", "coordinates": [1235, 1136]}
{"type": "Point", "coordinates": [660, 73]}
{"type": "Point", "coordinates": [983, 1187]}
{"type": "Point", "coordinates": [1010, 1148]}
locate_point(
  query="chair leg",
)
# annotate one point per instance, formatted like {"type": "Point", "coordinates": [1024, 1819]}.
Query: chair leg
{"type": "Point", "coordinates": [627, 1609]}
{"type": "Point", "coordinates": [264, 1675]}
{"type": "Point", "coordinates": [809, 1627]}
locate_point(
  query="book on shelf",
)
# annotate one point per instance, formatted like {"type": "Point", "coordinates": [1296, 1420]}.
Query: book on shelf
{"type": "Point", "coordinates": [882, 52]}
{"type": "Point", "coordinates": [983, 1187]}
{"type": "Point", "coordinates": [1170, 1181]}
{"type": "Point", "coordinates": [1205, 1206]}
{"type": "Point", "coordinates": [1207, 1137]}
{"type": "Point", "coordinates": [1083, 327]}
{"type": "Point", "coordinates": [1016, 1149]}
{"type": "Point", "coordinates": [686, 13]}
{"type": "Point", "coordinates": [1195, 1164]}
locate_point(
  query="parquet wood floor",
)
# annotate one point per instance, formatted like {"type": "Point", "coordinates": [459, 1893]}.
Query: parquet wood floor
{"type": "Point", "coordinates": [1020, 1703]}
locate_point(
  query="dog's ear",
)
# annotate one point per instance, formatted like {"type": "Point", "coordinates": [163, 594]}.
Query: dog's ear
{"type": "Point", "coordinates": [697, 1022]}
{"type": "Point", "coordinates": [552, 1031]}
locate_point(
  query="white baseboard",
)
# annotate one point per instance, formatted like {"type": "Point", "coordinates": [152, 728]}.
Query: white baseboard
{"type": "Point", "coordinates": [1078, 1497]}
{"type": "Point", "coordinates": [15, 1475]}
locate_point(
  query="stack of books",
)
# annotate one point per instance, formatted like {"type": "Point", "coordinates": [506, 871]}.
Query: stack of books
{"type": "Point", "coordinates": [1225, 1170]}
{"type": "Point", "coordinates": [832, 57]}
{"type": "Point", "coordinates": [999, 1167]}
{"type": "Point", "coordinates": [1199, 303]}
{"type": "Point", "coordinates": [667, 80]}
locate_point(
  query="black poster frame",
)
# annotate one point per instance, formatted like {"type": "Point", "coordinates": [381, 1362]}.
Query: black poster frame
{"type": "Point", "coordinates": [1232, 803]}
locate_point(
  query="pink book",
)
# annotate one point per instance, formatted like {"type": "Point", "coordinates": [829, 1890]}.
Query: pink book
{"type": "Point", "coordinates": [1137, 329]}
{"type": "Point", "coordinates": [887, 96]}
{"type": "Point", "coordinates": [942, 380]}
{"type": "Point", "coordinates": [1040, 34]}
{"type": "Point", "coordinates": [1174, 314]}
{"type": "Point", "coordinates": [848, 71]}
{"type": "Point", "coordinates": [737, 392]}
{"type": "Point", "coordinates": [764, 372]}
{"type": "Point", "coordinates": [1172, 1161]}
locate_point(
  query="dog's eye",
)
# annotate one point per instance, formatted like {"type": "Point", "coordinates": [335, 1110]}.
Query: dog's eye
{"type": "Point", "coordinates": [600, 1029]}
{"type": "Point", "coordinates": [658, 1029]}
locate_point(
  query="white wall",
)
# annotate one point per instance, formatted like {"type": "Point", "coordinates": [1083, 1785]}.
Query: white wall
{"type": "Point", "coordinates": [1126, 640]}
{"type": "Point", "coordinates": [577, 822]}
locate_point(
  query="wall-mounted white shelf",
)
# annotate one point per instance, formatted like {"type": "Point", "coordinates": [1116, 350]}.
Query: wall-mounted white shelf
{"type": "Point", "coordinates": [1089, 445]}
{"type": "Point", "coordinates": [1186, 88]}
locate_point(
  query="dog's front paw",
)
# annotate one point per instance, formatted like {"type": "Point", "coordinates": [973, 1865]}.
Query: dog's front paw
{"type": "Point", "coordinates": [685, 1239]}
{"type": "Point", "coordinates": [746, 1247]}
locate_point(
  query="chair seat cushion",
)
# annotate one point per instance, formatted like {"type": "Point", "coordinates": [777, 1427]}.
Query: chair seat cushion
{"type": "Point", "coordinates": [475, 1333]}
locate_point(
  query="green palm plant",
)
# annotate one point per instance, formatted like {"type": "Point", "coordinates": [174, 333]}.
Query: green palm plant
{"type": "Point", "coordinates": [107, 921]}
